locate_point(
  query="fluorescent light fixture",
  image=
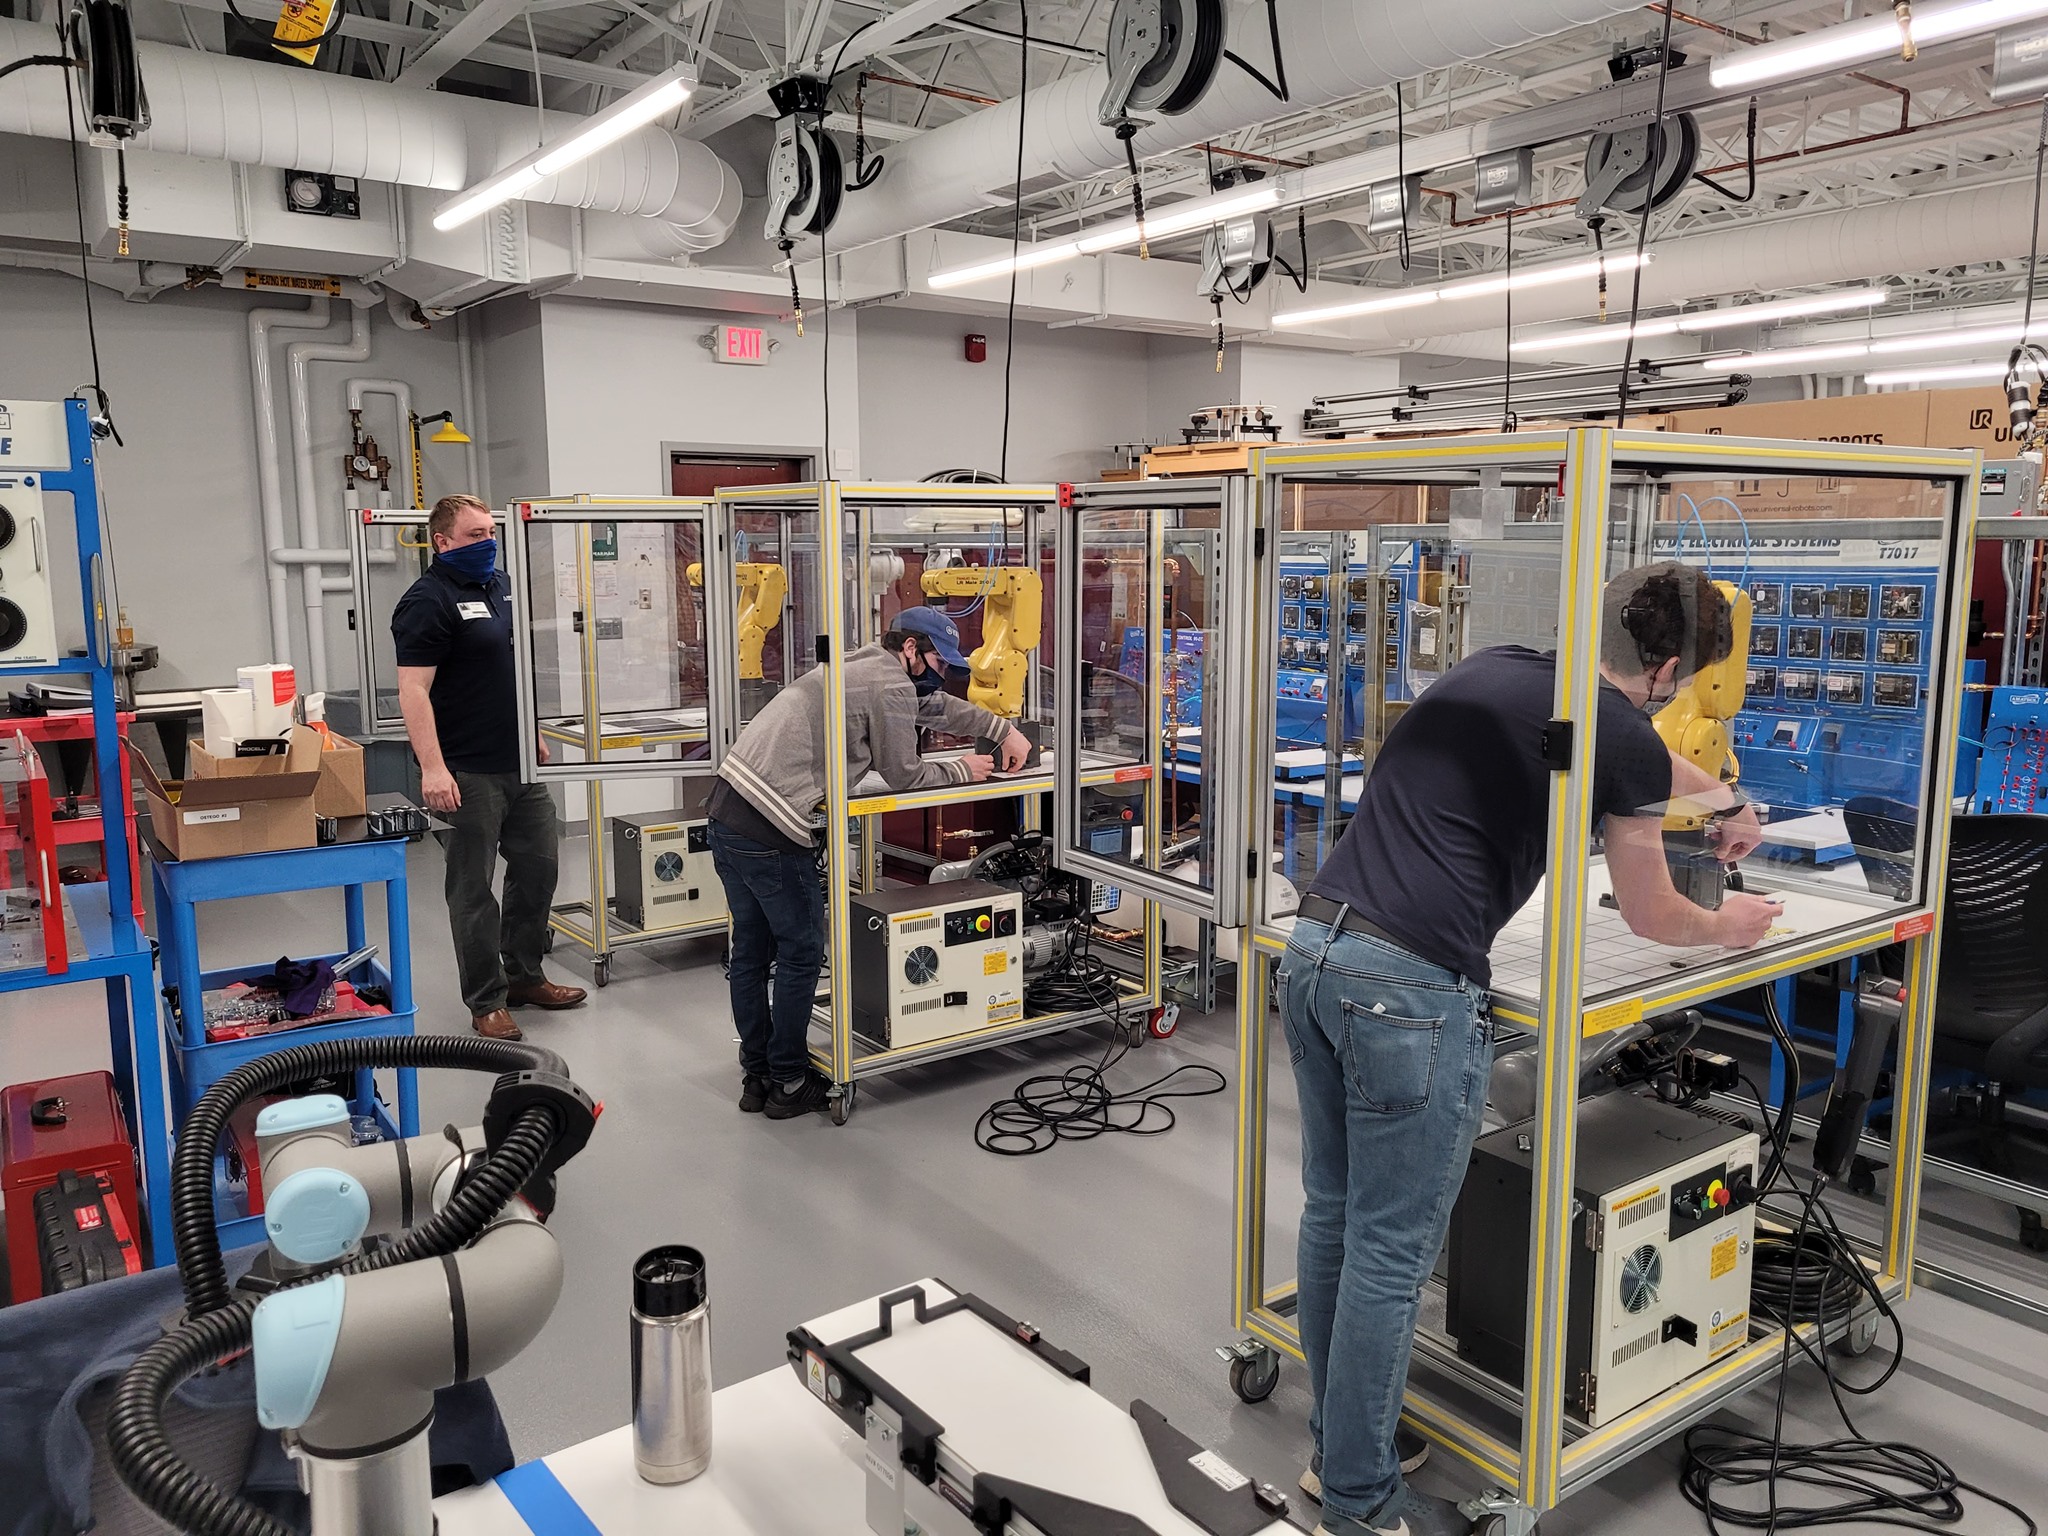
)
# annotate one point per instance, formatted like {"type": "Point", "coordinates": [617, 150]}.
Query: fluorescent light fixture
{"type": "Point", "coordinates": [1707, 320]}
{"type": "Point", "coordinates": [1961, 373]}
{"type": "Point", "coordinates": [661, 95]}
{"type": "Point", "coordinates": [1787, 357]}
{"type": "Point", "coordinates": [1176, 219]}
{"type": "Point", "coordinates": [1469, 288]}
{"type": "Point", "coordinates": [1936, 341]}
{"type": "Point", "coordinates": [1859, 42]}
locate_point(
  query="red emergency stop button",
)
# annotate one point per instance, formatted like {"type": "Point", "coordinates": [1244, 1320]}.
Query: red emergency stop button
{"type": "Point", "coordinates": [1718, 1193]}
{"type": "Point", "coordinates": [981, 923]}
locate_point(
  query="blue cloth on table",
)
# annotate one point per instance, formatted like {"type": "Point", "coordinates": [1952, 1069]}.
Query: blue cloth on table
{"type": "Point", "coordinates": [54, 1351]}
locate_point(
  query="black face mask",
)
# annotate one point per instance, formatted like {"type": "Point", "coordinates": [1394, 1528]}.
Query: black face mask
{"type": "Point", "coordinates": [929, 681]}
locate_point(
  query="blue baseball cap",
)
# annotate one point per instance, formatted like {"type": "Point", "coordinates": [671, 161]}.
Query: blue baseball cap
{"type": "Point", "coordinates": [936, 627]}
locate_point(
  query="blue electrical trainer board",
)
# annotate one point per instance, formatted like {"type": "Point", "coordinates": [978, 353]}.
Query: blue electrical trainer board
{"type": "Point", "coordinates": [2012, 768]}
{"type": "Point", "coordinates": [1841, 644]}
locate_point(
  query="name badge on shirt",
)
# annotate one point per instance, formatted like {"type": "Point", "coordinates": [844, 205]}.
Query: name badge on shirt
{"type": "Point", "coordinates": [474, 610]}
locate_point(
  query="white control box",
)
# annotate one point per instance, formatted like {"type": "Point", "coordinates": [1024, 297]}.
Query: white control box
{"type": "Point", "coordinates": [933, 961]}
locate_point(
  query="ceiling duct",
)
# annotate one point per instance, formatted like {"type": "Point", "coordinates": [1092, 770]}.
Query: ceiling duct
{"type": "Point", "coordinates": [1333, 50]}
{"type": "Point", "coordinates": [251, 112]}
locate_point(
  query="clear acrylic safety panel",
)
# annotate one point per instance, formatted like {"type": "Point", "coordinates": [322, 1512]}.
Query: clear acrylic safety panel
{"type": "Point", "coordinates": [770, 560]}
{"type": "Point", "coordinates": [388, 551]}
{"type": "Point", "coordinates": [619, 642]}
{"type": "Point", "coordinates": [1394, 579]}
{"type": "Point", "coordinates": [1153, 586]}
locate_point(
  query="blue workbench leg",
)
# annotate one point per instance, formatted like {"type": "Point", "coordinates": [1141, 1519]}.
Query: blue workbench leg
{"type": "Point", "coordinates": [352, 903]}
{"type": "Point", "coordinates": [398, 927]}
{"type": "Point", "coordinates": [140, 1026]}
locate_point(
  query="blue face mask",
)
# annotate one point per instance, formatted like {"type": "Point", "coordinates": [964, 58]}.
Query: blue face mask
{"type": "Point", "coordinates": [475, 561]}
{"type": "Point", "coordinates": [931, 680]}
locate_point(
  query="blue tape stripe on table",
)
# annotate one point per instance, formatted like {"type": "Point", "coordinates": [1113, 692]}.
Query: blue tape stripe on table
{"type": "Point", "coordinates": [539, 1498]}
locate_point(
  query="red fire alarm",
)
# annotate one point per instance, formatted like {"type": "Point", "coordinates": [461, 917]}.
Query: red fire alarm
{"type": "Point", "coordinates": [977, 348]}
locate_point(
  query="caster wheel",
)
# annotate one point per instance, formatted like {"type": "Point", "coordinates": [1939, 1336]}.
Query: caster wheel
{"type": "Point", "coordinates": [1860, 1337]}
{"type": "Point", "coordinates": [2033, 1235]}
{"type": "Point", "coordinates": [1163, 1022]}
{"type": "Point", "coordinates": [603, 972]}
{"type": "Point", "coordinates": [1254, 1380]}
{"type": "Point", "coordinates": [842, 1104]}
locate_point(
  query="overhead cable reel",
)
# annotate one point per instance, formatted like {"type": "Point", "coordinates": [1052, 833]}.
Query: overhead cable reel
{"type": "Point", "coordinates": [102, 39]}
{"type": "Point", "coordinates": [1162, 57]}
{"type": "Point", "coordinates": [1631, 168]}
{"type": "Point", "coordinates": [1237, 255]}
{"type": "Point", "coordinates": [805, 174]}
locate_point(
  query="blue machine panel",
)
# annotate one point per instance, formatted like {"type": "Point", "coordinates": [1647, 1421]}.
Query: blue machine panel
{"type": "Point", "coordinates": [2012, 768]}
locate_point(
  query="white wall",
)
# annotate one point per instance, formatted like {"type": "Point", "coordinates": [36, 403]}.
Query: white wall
{"type": "Point", "coordinates": [926, 408]}
{"type": "Point", "coordinates": [623, 379]}
{"type": "Point", "coordinates": [181, 496]}
{"type": "Point", "coordinates": [1285, 379]}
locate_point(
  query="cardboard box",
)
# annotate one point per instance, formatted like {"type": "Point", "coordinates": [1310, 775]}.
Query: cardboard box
{"type": "Point", "coordinates": [1971, 418]}
{"type": "Point", "coordinates": [234, 805]}
{"type": "Point", "coordinates": [341, 780]}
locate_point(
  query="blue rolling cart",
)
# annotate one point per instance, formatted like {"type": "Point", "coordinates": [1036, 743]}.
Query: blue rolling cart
{"type": "Point", "coordinates": [181, 887]}
{"type": "Point", "coordinates": [117, 952]}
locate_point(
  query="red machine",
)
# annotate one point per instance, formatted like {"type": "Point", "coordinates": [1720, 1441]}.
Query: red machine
{"type": "Point", "coordinates": [62, 1124]}
{"type": "Point", "coordinates": [71, 811]}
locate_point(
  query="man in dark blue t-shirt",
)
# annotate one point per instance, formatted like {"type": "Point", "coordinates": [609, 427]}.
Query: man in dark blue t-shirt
{"type": "Point", "coordinates": [1383, 988]}
{"type": "Point", "coordinates": [459, 694]}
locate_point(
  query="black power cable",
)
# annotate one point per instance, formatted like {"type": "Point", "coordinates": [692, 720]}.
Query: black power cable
{"type": "Point", "coordinates": [31, 61]}
{"type": "Point", "coordinates": [1750, 133]}
{"type": "Point", "coordinates": [1401, 174]}
{"type": "Point", "coordinates": [1016, 240]}
{"type": "Point", "coordinates": [101, 405]}
{"type": "Point", "coordinates": [1656, 156]}
{"type": "Point", "coordinates": [1277, 85]}
{"type": "Point", "coordinates": [1080, 1104]}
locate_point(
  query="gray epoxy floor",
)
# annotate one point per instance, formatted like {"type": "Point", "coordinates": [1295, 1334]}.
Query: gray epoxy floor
{"type": "Point", "coordinates": [1118, 1248]}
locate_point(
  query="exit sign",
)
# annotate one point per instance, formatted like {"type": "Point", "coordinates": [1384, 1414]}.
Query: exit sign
{"type": "Point", "coordinates": [741, 344]}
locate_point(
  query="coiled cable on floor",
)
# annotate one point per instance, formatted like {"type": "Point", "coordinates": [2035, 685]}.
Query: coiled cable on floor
{"type": "Point", "coordinates": [1079, 1104]}
{"type": "Point", "coordinates": [216, 1329]}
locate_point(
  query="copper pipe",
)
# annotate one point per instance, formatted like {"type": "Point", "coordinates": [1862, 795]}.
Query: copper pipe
{"type": "Point", "coordinates": [932, 90]}
{"type": "Point", "coordinates": [1245, 154]}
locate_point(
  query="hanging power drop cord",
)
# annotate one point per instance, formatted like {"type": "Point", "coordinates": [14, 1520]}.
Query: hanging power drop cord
{"type": "Point", "coordinates": [1656, 156]}
{"type": "Point", "coordinates": [101, 410]}
{"type": "Point", "coordinates": [1016, 239]}
{"type": "Point", "coordinates": [1080, 1103]}
{"type": "Point", "coordinates": [1815, 1278]}
{"type": "Point", "coordinates": [31, 61]}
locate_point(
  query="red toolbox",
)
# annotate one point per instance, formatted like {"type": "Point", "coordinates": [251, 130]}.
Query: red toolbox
{"type": "Point", "coordinates": [45, 1128]}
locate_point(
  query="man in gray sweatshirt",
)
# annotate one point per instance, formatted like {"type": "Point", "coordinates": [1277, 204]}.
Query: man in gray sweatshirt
{"type": "Point", "coordinates": [764, 807]}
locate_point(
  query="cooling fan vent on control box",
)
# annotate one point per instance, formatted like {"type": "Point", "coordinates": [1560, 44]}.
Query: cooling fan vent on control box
{"type": "Point", "coordinates": [1642, 1275]}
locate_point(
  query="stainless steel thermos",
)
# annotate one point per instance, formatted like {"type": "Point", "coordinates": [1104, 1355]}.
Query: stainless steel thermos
{"type": "Point", "coordinates": [671, 1365]}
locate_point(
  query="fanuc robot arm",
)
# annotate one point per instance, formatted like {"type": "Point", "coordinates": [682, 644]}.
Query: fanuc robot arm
{"type": "Point", "coordinates": [1013, 606]}
{"type": "Point", "coordinates": [762, 588]}
{"type": "Point", "coordinates": [1694, 728]}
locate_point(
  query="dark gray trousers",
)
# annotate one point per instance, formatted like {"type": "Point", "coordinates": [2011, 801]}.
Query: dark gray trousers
{"type": "Point", "coordinates": [493, 950]}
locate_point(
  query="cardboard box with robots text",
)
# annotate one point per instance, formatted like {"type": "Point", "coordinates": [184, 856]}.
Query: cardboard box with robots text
{"type": "Point", "coordinates": [233, 805]}
{"type": "Point", "coordinates": [341, 791]}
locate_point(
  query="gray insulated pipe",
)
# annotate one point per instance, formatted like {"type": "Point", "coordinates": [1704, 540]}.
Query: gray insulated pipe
{"type": "Point", "coordinates": [1334, 49]}
{"type": "Point", "coordinates": [251, 112]}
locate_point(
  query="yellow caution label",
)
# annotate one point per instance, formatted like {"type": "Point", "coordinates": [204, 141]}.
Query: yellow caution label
{"type": "Point", "coordinates": [1614, 1016]}
{"type": "Point", "coordinates": [300, 21]}
{"type": "Point", "coordinates": [1637, 1198]}
{"type": "Point", "coordinates": [292, 282]}
{"type": "Point", "coordinates": [911, 917]}
{"type": "Point", "coordinates": [620, 743]}
{"type": "Point", "coordinates": [994, 963]}
{"type": "Point", "coordinates": [1721, 1259]}
{"type": "Point", "coordinates": [881, 805]}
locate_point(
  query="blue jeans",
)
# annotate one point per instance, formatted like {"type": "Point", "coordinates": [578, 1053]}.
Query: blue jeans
{"type": "Point", "coordinates": [1391, 1059]}
{"type": "Point", "coordinates": [778, 921]}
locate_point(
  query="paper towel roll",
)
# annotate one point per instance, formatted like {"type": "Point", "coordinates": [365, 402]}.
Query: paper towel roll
{"type": "Point", "coordinates": [226, 716]}
{"type": "Point", "coordinates": [273, 690]}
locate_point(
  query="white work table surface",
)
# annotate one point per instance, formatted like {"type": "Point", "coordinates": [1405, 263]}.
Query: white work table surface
{"type": "Point", "coordinates": [781, 1465]}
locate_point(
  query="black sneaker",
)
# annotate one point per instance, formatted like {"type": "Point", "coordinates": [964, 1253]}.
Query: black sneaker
{"type": "Point", "coordinates": [754, 1093]}
{"type": "Point", "coordinates": [807, 1098]}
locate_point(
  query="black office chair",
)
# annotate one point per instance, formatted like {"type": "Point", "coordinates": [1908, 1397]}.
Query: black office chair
{"type": "Point", "coordinates": [1881, 831]}
{"type": "Point", "coordinates": [1991, 1016]}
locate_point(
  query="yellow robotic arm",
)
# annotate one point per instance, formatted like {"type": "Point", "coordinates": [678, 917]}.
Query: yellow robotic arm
{"type": "Point", "coordinates": [1013, 606]}
{"type": "Point", "coordinates": [762, 587]}
{"type": "Point", "coordinates": [1694, 725]}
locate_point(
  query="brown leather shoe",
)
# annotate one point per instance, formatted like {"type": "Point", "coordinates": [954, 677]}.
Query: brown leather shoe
{"type": "Point", "coordinates": [543, 994]}
{"type": "Point", "coordinates": [496, 1025]}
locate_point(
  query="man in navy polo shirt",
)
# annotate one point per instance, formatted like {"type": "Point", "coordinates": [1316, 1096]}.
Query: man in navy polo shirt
{"type": "Point", "coordinates": [459, 695]}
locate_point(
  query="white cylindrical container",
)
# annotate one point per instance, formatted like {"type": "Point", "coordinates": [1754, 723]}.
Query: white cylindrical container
{"type": "Point", "coordinates": [671, 1323]}
{"type": "Point", "coordinates": [225, 717]}
{"type": "Point", "coordinates": [273, 692]}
